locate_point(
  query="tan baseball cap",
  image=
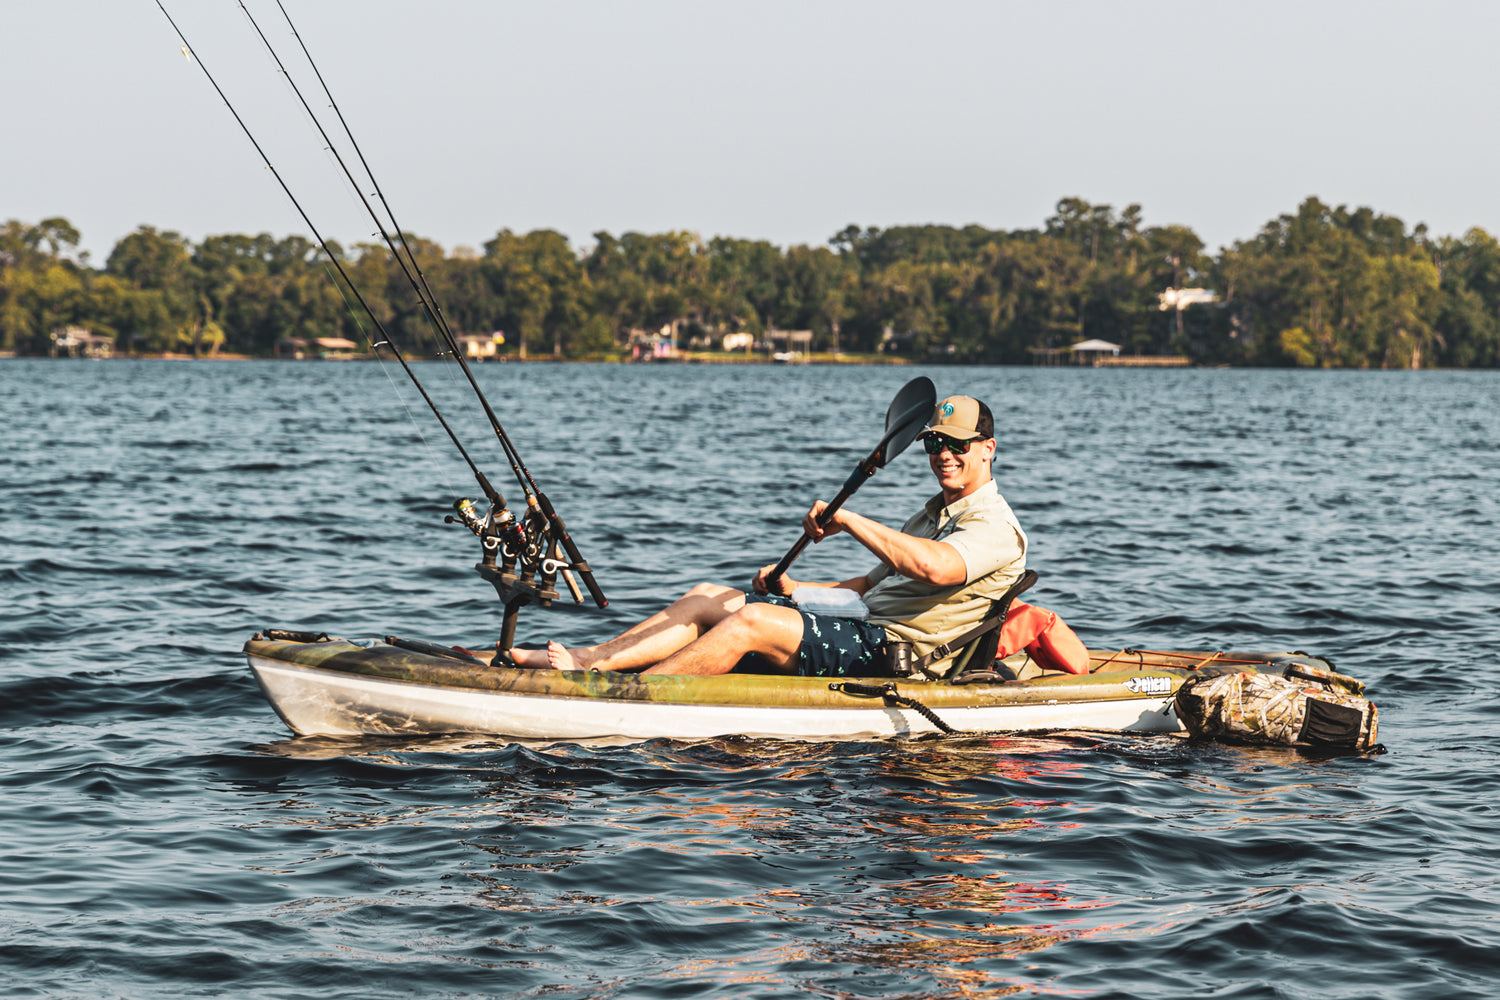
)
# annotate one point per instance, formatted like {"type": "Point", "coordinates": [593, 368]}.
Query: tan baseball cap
{"type": "Point", "coordinates": [957, 417]}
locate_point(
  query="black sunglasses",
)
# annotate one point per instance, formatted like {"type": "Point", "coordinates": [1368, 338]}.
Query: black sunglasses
{"type": "Point", "coordinates": [935, 443]}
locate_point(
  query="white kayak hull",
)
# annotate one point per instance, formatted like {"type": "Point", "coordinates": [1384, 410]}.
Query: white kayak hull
{"type": "Point", "coordinates": [314, 700]}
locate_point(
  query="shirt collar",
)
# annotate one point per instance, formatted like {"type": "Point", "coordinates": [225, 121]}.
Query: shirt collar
{"type": "Point", "coordinates": [938, 513]}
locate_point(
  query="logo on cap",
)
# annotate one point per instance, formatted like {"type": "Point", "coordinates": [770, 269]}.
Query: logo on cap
{"type": "Point", "coordinates": [947, 410]}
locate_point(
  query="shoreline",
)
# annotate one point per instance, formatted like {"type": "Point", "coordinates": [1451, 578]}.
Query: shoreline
{"type": "Point", "coordinates": [817, 360]}
{"type": "Point", "coordinates": [685, 359]}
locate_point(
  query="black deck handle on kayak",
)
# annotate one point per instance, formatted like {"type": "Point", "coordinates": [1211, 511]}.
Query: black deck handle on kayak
{"type": "Point", "coordinates": [433, 649]}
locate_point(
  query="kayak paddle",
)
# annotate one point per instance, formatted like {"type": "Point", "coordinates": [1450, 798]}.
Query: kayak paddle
{"type": "Point", "coordinates": [907, 416]}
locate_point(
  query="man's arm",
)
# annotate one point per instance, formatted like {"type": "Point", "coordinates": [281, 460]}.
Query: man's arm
{"type": "Point", "coordinates": [920, 559]}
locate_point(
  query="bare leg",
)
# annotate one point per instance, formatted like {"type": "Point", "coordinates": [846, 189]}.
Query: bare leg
{"type": "Point", "coordinates": [652, 641]}
{"type": "Point", "coordinates": [772, 631]}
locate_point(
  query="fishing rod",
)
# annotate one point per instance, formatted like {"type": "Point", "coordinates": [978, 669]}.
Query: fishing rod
{"type": "Point", "coordinates": [423, 291]}
{"type": "Point", "coordinates": [419, 283]}
{"type": "Point", "coordinates": [535, 544]}
{"type": "Point", "coordinates": [429, 300]}
{"type": "Point", "coordinates": [489, 491]}
{"type": "Point", "coordinates": [537, 501]}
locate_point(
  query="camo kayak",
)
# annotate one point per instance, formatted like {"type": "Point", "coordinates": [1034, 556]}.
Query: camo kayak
{"type": "Point", "coordinates": [390, 686]}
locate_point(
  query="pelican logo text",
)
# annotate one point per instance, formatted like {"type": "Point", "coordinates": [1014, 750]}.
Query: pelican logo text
{"type": "Point", "coordinates": [1149, 685]}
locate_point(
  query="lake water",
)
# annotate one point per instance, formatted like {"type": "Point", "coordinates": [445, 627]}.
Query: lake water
{"type": "Point", "coordinates": [164, 835]}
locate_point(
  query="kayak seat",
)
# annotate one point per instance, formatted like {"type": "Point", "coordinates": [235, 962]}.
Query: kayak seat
{"type": "Point", "coordinates": [1021, 667]}
{"type": "Point", "coordinates": [976, 661]}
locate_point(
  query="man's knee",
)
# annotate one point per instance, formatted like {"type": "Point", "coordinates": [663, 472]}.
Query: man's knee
{"type": "Point", "coordinates": [768, 620]}
{"type": "Point", "coordinates": [710, 590]}
{"type": "Point", "coordinates": [708, 604]}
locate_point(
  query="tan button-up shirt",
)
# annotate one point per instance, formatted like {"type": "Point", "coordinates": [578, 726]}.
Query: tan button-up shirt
{"type": "Point", "coordinates": [983, 530]}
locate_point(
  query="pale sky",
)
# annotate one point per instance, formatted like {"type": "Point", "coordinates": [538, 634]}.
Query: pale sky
{"type": "Point", "coordinates": [768, 120]}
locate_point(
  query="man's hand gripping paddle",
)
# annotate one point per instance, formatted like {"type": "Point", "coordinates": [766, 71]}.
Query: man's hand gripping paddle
{"type": "Point", "coordinates": [908, 415]}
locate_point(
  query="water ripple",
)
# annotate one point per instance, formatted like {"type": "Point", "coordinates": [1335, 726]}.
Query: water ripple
{"type": "Point", "coordinates": [167, 837]}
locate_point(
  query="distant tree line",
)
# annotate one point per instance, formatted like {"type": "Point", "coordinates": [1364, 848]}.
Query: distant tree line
{"type": "Point", "coordinates": [1328, 287]}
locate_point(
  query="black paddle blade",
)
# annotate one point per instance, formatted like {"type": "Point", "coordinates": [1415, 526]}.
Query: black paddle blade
{"type": "Point", "coordinates": [907, 417]}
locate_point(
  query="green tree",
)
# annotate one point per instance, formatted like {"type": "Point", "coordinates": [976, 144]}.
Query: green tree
{"type": "Point", "coordinates": [746, 275]}
{"type": "Point", "coordinates": [1467, 321]}
{"type": "Point", "coordinates": [540, 286]}
{"type": "Point", "coordinates": [1099, 234]}
{"type": "Point", "coordinates": [644, 281]}
{"type": "Point", "coordinates": [159, 266]}
{"type": "Point", "coordinates": [41, 286]}
{"type": "Point", "coordinates": [819, 287]}
{"type": "Point", "coordinates": [1352, 284]}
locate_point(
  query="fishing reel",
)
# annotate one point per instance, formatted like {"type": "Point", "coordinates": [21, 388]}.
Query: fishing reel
{"type": "Point", "coordinates": [497, 532]}
{"type": "Point", "coordinates": [532, 552]}
{"type": "Point", "coordinates": [529, 557]}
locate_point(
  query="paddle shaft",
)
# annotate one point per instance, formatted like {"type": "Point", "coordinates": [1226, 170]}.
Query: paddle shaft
{"type": "Point", "coordinates": [855, 481]}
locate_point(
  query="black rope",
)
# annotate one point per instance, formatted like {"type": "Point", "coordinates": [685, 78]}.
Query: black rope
{"type": "Point", "coordinates": [892, 697]}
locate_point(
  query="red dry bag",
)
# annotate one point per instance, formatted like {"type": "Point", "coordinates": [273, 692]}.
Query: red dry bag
{"type": "Point", "coordinates": [1044, 636]}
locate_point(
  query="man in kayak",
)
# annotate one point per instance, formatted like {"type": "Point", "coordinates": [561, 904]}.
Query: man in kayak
{"type": "Point", "coordinates": [936, 579]}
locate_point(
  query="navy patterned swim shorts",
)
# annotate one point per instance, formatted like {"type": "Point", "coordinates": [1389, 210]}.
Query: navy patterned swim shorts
{"type": "Point", "coordinates": [833, 647]}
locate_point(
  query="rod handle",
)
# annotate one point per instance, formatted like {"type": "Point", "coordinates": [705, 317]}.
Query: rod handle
{"type": "Point", "coordinates": [560, 533]}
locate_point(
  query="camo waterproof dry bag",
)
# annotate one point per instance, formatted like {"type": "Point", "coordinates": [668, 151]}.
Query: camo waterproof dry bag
{"type": "Point", "coordinates": [1267, 708]}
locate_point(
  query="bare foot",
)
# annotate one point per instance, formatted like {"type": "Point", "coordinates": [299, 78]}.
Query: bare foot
{"type": "Point", "coordinates": [560, 657]}
{"type": "Point", "coordinates": [532, 658]}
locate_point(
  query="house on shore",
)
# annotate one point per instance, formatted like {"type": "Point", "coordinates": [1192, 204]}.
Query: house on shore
{"type": "Point", "coordinates": [80, 342]}
{"type": "Point", "coordinates": [1085, 352]}
{"type": "Point", "coordinates": [1103, 354]}
{"type": "Point", "coordinates": [481, 346]}
{"type": "Point", "coordinates": [654, 345]}
{"type": "Point", "coordinates": [789, 345]}
{"type": "Point", "coordinates": [1092, 352]}
{"type": "Point", "coordinates": [327, 348]}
